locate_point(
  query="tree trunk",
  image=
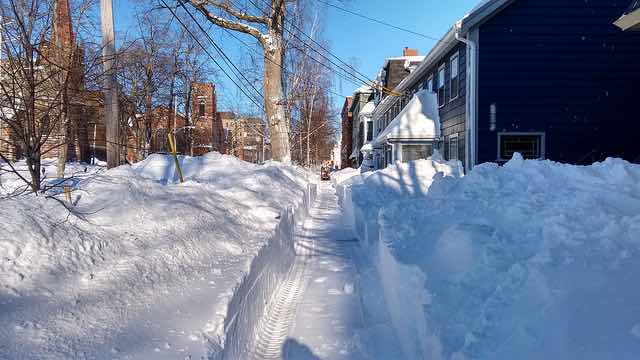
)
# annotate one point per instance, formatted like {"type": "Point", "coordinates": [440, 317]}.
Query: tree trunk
{"type": "Point", "coordinates": [274, 99]}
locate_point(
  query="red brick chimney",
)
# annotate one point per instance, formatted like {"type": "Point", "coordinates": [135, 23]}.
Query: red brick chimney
{"type": "Point", "coordinates": [63, 35]}
{"type": "Point", "coordinates": [409, 52]}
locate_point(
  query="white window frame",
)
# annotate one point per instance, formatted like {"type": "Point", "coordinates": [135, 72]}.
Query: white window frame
{"type": "Point", "coordinates": [430, 83]}
{"type": "Point", "coordinates": [442, 68]}
{"type": "Point", "coordinates": [542, 135]}
{"type": "Point", "coordinates": [456, 57]}
{"type": "Point", "coordinates": [457, 152]}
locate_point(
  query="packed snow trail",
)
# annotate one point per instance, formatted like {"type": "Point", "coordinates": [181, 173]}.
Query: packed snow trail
{"type": "Point", "coordinates": [317, 312]}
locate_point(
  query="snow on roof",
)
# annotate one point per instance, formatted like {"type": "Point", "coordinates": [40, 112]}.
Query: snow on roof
{"type": "Point", "coordinates": [367, 109]}
{"type": "Point", "coordinates": [368, 147]}
{"type": "Point", "coordinates": [420, 119]}
{"type": "Point", "coordinates": [363, 89]}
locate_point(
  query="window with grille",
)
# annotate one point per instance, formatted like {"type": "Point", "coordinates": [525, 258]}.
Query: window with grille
{"type": "Point", "coordinates": [453, 147]}
{"type": "Point", "coordinates": [430, 83]}
{"type": "Point", "coordinates": [411, 152]}
{"type": "Point", "coordinates": [529, 145]}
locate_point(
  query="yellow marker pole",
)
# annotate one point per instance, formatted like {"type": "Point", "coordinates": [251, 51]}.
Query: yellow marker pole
{"type": "Point", "coordinates": [172, 145]}
{"type": "Point", "coordinates": [67, 193]}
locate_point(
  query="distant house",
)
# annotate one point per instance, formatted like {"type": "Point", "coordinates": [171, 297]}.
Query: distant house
{"type": "Point", "coordinates": [394, 70]}
{"type": "Point", "coordinates": [361, 111]}
{"type": "Point", "coordinates": [548, 79]}
{"type": "Point", "coordinates": [245, 137]}
{"type": "Point", "coordinates": [347, 133]}
{"type": "Point", "coordinates": [630, 20]}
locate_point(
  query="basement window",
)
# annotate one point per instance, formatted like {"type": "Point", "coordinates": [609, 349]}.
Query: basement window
{"type": "Point", "coordinates": [453, 147]}
{"type": "Point", "coordinates": [529, 145]}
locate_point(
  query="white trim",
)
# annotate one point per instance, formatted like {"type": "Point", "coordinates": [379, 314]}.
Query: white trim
{"type": "Point", "coordinates": [542, 135]}
{"type": "Point", "coordinates": [443, 68]}
{"type": "Point", "coordinates": [629, 21]}
{"type": "Point", "coordinates": [456, 56]}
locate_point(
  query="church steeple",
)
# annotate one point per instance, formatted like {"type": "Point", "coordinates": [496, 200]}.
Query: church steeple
{"type": "Point", "coordinates": [63, 35]}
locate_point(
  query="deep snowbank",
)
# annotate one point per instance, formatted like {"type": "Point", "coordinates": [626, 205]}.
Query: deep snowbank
{"type": "Point", "coordinates": [147, 268]}
{"type": "Point", "coordinates": [533, 260]}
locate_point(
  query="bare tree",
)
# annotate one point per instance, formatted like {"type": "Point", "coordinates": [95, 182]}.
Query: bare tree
{"type": "Point", "coordinates": [268, 30]}
{"type": "Point", "coordinates": [40, 83]}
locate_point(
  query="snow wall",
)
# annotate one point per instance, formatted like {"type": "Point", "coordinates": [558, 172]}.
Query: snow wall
{"type": "Point", "coordinates": [268, 270]}
{"type": "Point", "coordinates": [530, 260]}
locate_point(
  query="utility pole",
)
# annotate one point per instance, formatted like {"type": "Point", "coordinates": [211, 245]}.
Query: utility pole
{"type": "Point", "coordinates": [111, 111]}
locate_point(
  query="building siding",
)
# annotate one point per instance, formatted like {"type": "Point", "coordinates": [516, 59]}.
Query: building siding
{"type": "Point", "coordinates": [453, 113]}
{"type": "Point", "coordinates": [560, 68]}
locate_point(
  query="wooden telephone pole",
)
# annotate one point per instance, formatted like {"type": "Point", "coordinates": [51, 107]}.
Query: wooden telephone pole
{"type": "Point", "coordinates": [111, 111]}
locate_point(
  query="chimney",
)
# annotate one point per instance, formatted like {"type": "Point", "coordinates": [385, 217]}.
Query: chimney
{"type": "Point", "coordinates": [409, 52]}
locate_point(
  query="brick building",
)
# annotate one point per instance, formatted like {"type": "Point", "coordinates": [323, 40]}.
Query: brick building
{"type": "Point", "coordinates": [208, 133]}
{"type": "Point", "coordinates": [244, 137]}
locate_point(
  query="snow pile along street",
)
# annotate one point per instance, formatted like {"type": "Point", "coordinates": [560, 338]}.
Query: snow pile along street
{"type": "Point", "coordinates": [147, 267]}
{"type": "Point", "coordinates": [532, 260]}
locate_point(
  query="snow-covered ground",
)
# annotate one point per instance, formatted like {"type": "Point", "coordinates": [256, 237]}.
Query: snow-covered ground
{"type": "Point", "coordinates": [532, 260]}
{"type": "Point", "coordinates": [145, 267]}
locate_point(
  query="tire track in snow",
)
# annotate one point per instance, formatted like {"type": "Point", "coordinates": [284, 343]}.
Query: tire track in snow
{"type": "Point", "coordinates": [274, 327]}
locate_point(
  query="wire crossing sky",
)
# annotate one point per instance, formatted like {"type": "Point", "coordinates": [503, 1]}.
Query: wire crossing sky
{"type": "Point", "coordinates": [360, 32]}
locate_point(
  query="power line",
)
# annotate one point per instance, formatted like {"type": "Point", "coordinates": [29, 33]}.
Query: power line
{"type": "Point", "coordinates": [366, 81]}
{"type": "Point", "coordinates": [360, 76]}
{"type": "Point", "coordinates": [220, 51]}
{"type": "Point", "coordinates": [258, 53]}
{"type": "Point", "coordinates": [378, 21]}
{"type": "Point", "coordinates": [210, 56]}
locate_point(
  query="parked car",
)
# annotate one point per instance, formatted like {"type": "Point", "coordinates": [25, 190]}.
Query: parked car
{"type": "Point", "coordinates": [325, 173]}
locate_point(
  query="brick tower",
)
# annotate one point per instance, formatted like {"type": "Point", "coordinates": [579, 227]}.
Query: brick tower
{"type": "Point", "coordinates": [208, 134]}
{"type": "Point", "coordinates": [63, 52]}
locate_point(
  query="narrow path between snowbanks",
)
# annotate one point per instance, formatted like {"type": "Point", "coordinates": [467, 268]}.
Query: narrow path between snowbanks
{"type": "Point", "coordinates": [318, 312]}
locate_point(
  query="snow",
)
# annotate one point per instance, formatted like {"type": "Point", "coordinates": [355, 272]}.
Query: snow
{"type": "Point", "coordinates": [532, 260]}
{"type": "Point", "coordinates": [367, 109]}
{"type": "Point", "coordinates": [420, 119]}
{"type": "Point", "coordinates": [366, 148]}
{"type": "Point", "coordinates": [146, 267]}
{"type": "Point", "coordinates": [363, 89]}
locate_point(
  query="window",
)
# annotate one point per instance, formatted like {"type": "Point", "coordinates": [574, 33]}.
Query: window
{"type": "Point", "coordinates": [430, 83]}
{"type": "Point", "coordinates": [201, 103]}
{"type": "Point", "coordinates": [411, 152]}
{"type": "Point", "coordinates": [529, 145]}
{"type": "Point", "coordinates": [453, 147]}
{"type": "Point", "coordinates": [369, 130]}
{"type": "Point", "coordinates": [441, 83]}
{"type": "Point", "coordinates": [455, 79]}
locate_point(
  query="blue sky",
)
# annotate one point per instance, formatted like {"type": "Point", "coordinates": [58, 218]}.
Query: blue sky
{"type": "Point", "coordinates": [352, 38]}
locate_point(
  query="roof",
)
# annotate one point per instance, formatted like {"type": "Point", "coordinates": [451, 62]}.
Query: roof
{"type": "Point", "coordinates": [630, 20]}
{"type": "Point", "coordinates": [368, 109]}
{"type": "Point", "coordinates": [419, 120]}
{"type": "Point", "coordinates": [481, 13]}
